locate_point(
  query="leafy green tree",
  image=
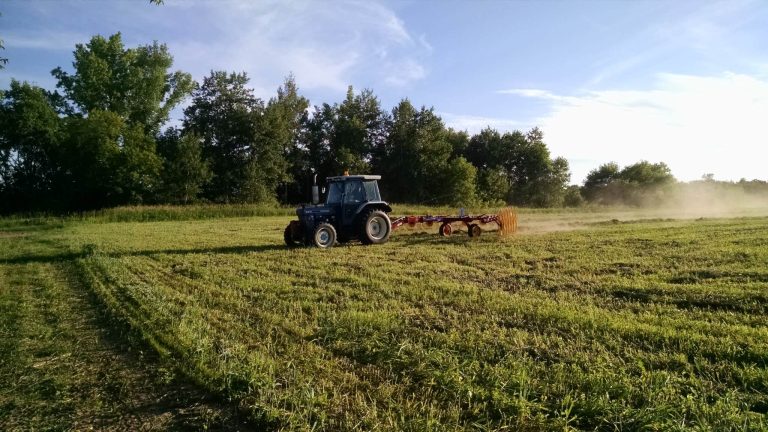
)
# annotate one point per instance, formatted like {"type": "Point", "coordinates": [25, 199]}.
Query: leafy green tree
{"type": "Point", "coordinates": [549, 189]}
{"type": "Point", "coordinates": [459, 141]}
{"type": "Point", "coordinates": [137, 167]}
{"type": "Point", "coordinates": [314, 153]}
{"type": "Point", "coordinates": [488, 149]}
{"type": "Point", "coordinates": [228, 117]}
{"type": "Point", "coordinates": [398, 158]}
{"type": "Point", "coordinates": [636, 184]}
{"type": "Point", "coordinates": [92, 150]}
{"type": "Point", "coordinates": [358, 129]}
{"type": "Point", "coordinates": [184, 171]}
{"type": "Point", "coordinates": [342, 137]}
{"type": "Point", "coordinates": [440, 173]}
{"type": "Point", "coordinates": [30, 147]}
{"type": "Point", "coordinates": [108, 162]}
{"type": "Point", "coordinates": [3, 60]}
{"type": "Point", "coordinates": [133, 83]}
{"type": "Point", "coordinates": [573, 197]}
{"type": "Point", "coordinates": [493, 185]}
{"type": "Point", "coordinates": [645, 183]}
{"type": "Point", "coordinates": [517, 168]}
{"type": "Point", "coordinates": [460, 183]}
{"type": "Point", "coordinates": [645, 173]}
{"type": "Point", "coordinates": [113, 105]}
{"type": "Point", "coordinates": [491, 154]}
{"type": "Point", "coordinates": [531, 170]}
{"type": "Point", "coordinates": [280, 131]}
{"type": "Point", "coordinates": [417, 159]}
{"type": "Point", "coordinates": [598, 180]}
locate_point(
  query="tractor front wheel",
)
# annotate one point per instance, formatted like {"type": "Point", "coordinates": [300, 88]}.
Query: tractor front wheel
{"type": "Point", "coordinates": [325, 235]}
{"type": "Point", "coordinates": [375, 227]}
{"type": "Point", "coordinates": [289, 237]}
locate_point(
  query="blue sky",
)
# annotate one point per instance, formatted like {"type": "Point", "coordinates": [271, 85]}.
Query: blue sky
{"type": "Point", "coordinates": [684, 82]}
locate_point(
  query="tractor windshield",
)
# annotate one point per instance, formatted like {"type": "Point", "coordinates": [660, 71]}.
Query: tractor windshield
{"type": "Point", "coordinates": [335, 190]}
{"type": "Point", "coordinates": [353, 192]}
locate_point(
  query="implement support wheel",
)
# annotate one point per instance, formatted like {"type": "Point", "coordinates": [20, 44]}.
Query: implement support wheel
{"type": "Point", "coordinates": [474, 230]}
{"type": "Point", "coordinates": [446, 230]}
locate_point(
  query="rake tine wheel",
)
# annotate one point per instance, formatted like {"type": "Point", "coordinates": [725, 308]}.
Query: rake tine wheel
{"type": "Point", "coordinates": [507, 221]}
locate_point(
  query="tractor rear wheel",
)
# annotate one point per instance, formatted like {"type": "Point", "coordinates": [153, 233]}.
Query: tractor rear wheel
{"type": "Point", "coordinates": [324, 236]}
{"type": "Point", "coordinates": [375, 227]}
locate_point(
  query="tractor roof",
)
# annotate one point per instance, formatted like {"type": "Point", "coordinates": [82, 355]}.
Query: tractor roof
{"type": "Point", "coordinates": [353, 177]}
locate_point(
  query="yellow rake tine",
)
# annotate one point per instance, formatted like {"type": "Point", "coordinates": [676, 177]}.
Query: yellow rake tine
{"type": "Point", "coordinates": [507, 221]}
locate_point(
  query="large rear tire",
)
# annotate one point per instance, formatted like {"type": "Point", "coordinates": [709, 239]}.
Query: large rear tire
{"type": "Point", "coordinates": [375, 227]}
{"type": "Point", "coordinates": [324, 236]}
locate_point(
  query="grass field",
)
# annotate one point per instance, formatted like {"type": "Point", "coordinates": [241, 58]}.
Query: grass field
{"type": "Point", "coordinates": [588, 320]}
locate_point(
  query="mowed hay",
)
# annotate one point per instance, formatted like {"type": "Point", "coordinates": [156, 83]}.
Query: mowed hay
{"type": "Point", "coordinates": [617, 326]}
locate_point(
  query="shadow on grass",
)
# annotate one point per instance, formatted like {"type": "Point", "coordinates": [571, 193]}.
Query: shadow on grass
{"type": "Point", "coordinates": [89, 251]}
{"type": "Point", "coordinates": [208, 250]}
{"type": "Point", "coordinates": [429, 238]}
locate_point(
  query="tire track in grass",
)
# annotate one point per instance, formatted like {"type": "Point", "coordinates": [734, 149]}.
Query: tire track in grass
{"type": "Point", "coordinates": [61, 369]}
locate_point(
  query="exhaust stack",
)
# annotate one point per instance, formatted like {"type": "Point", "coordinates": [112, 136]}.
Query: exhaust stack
{"type": "Point", "coordinates": [315, 192]}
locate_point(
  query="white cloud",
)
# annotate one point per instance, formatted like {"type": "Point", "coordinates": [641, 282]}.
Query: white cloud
{"type": "Point", "coordinates": [696, 124]}
{"type": "Point", "coordinates": [424, 43]}
{"type": "Point", "coordinates": [713, 32]}
{"type": "Point", "coordinates": [326, 45]}
{"type": "Point", "coordinates": [474, 124]}
{"type": "Point", "coordinates": [532, 93]}
{"type": "Point", "coordinates": [48, 40]}
{"type": "Point", "coordinates": [405, 72]}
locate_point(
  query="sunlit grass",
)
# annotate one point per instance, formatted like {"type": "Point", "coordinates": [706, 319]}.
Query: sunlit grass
{"type": "Point", "coordinates": [655, 324]}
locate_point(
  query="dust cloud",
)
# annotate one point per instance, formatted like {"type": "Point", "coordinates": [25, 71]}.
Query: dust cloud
{"type": "Point", "coordinates": [683, 201]}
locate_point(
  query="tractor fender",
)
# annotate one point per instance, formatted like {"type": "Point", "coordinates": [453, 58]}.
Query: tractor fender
{"type": "Point", "coordinates": [381, 205]}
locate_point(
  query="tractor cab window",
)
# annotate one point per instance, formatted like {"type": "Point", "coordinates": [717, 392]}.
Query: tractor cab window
{"type": "Point", "coordinates": [371, 191]}
{"type": "Point", "coordinates": [354, 192]}
{"type": "Point", "coordinates": [335, 190]}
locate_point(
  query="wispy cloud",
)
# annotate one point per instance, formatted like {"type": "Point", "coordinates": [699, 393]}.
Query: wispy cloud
{"type": "Point", "coordinates": [474, 124]}
{"type": "Point", "coordinates": [47, 40]}
{"type": "Point", "coordinates": [696, 124]}
{"type": "Point", "coordinates": [408, 70]}
{"type": "Point", "coordinates": [532, 93]}
{"type": "Point", "coordinates": [710, 29]}
{"type": "Point", "coordinates": [325, 45]}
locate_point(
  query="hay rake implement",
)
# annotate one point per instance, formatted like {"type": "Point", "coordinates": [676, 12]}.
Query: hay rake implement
{"type": "Point", "coordinates": [505, 221]}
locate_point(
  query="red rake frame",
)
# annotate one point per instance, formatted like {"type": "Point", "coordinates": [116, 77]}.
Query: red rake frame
{"type": "Point", "coordinates": [506, 220]}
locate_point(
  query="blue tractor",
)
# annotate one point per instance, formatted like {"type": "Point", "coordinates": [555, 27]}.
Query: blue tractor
{"type": "Point", "coordinates": [353, 210]}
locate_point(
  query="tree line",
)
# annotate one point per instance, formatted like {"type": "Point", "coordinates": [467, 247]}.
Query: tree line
{"type": "Point", "coordinates": [102, 139]}
{"type": "Point", "coordinates": [652, 184]}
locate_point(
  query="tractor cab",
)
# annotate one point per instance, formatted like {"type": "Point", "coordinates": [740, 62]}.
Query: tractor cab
{"type": "Point", "coordinates": [345, 194]}
{"type": "Point", "coordinates": [353, 209]}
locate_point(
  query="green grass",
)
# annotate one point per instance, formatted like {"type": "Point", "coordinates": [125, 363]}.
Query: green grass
{"type": "Point", "coordinates": [64, 365]}
{"type": "Point", "coordinates": [585, 320]}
